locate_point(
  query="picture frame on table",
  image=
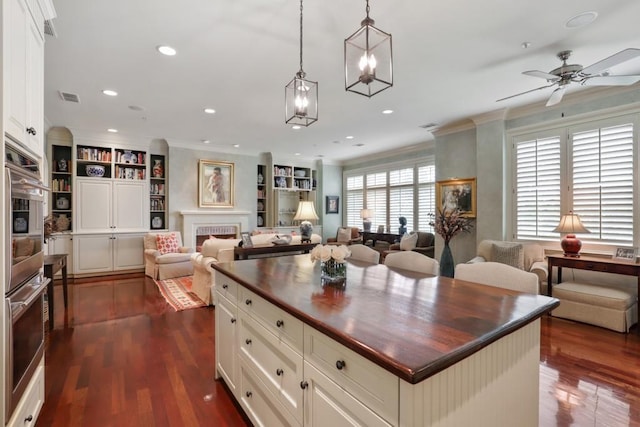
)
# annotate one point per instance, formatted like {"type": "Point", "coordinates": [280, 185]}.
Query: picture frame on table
{"type": "Point", "coordinates": [332, 204]}
{"type": "Point", "coordinates": [246, 239]}
{"type": "Point", "coordinates": [457, 194]}
{"type": "Point", "coordinates": [215, 184]}
{"type": "Point", "coordinates": [625, 254]}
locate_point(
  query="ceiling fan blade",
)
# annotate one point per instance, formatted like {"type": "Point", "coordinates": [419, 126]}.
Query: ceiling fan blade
{"type": "Point", "coordinates": [615, 59]}
{"type": "Point", "coordinates": [556, 96]}
{"type": "Point", "coordinates": [542, 75]}
{"type": "Point", "coordinates": [523, 93]}
{"type": "Point", "coordinates": [610, 80]}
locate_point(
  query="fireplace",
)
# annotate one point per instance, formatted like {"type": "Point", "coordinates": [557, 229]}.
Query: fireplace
{"type": "Point", "coordinates": [197, 226]}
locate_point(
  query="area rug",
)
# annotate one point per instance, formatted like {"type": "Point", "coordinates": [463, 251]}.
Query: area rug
{"type": "Point", "coordinates": [177, 292]}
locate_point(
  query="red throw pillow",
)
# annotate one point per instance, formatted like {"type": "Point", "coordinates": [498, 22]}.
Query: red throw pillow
{"type": "Point", "coordinates": [167, 243]}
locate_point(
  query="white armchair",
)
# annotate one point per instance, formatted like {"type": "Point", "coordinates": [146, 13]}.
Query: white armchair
{"type": "Point", "coordinates": [212, 251]}
{"type": "Point", "coordinates": [525, 256]}
{"type": "Point", "coordinates": [159, 264]}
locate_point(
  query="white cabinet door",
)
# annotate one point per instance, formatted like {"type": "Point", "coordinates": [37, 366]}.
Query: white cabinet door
{"type": "Point", "coordinates": [93, 205]}
{"type": "Point", "coordinates": [130, 206]}
{"type": "Point", "coordinates": [92, 253]}
{"type": "Point", "coordinates": [128, 251]}
{"type": "Point", "coordinates": [35, 90]}
{"type": "Point", "coordinates": [62, 244]}
{"type": "Point", "coordinates": [226, 342]}
{"type": "Point", "coordinates": [15, 28]}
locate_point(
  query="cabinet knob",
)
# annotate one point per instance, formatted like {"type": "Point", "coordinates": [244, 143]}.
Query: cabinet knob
{"type": "Point", "coordinates": [247, 301]}
{"type": "Point", "coordinates": [248, 341]}
{"type": "Point", "coordinates": [279, 372]}
{"type": "Point", "coordinates": [225, 286]}
{"type": "Point", "coordinates": [279, 323]}
{"type": "Point", "coordinates": [340, 364]}
{"type": "Point", "coordinates": [249, 394]}
{"type": "Point", "coordinates": [28, 419]}
{"type": "Point", "coordinates": [304, 384]}
{"type": "Point", "coordinates": [233, 320]}
{"type": "Point", "coordinates": [32, 131]}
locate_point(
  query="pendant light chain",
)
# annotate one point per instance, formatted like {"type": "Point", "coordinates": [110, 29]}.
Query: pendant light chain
{"type": "Point", "coordinates": [301, 72]}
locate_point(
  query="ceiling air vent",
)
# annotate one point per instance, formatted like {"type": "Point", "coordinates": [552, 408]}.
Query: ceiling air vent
{"type": "Point", "coordinates": [69, 97]}
{"type": "Point", "coordinates": [49, 29]}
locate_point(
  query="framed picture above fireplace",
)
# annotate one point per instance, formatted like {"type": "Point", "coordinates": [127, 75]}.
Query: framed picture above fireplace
{"type": "Point", "coordinates": [215, 184]}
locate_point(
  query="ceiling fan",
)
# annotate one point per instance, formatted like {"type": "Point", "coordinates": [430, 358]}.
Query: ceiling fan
{"type": "Point", "coordinates": [593, 75]}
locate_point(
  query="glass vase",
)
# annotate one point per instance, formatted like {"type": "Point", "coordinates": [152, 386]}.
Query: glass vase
{"type": "Point", "coordinates": [333, 271]}
{"type": "Point", "coordinates": [446, 261]}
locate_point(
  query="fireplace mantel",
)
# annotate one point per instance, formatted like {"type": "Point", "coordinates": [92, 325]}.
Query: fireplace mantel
{"type": "Point", "coordinates": [191, 220]}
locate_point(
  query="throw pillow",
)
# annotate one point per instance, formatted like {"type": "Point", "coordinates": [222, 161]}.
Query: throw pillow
{"type": "Point", "coordinates": [167, 243]}
{"type": "Point", "coordinates": [408, 241]}
{"type": "Point", "coordinates": [508, 253]}
{"type": "Point", "coordinates": [344, 235]}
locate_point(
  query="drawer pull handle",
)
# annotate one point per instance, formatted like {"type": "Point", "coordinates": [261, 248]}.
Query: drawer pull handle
{"type": "Point", "coordinates": [248, 341]}
{"type": "Point", "coordinates": [247, 301]}
{"type": "Point", "coordinates": [279, 372]}
{"type": "Point", "coordinates": [225, 286]}
{"type": "Point", "coordinates": [249, 394]}
{"type": "Point", "coordinates": [28, 419]}
{"type": "Point", "coordinates": [340, 364]}
{"type": "Point", "coordinates": [233, 320]}
{"type": "Point", "coordinates": [304, 384]}
{"type": "Point", "coordinates": [279, 323]}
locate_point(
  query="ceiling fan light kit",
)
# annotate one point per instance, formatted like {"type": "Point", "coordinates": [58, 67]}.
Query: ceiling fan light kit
{"type": "Point", "coordinates": [594, 75]}
{"type": "Point", "coordinates": [368, 59]}
{"type": "Point", "coordinates": [301, 95]}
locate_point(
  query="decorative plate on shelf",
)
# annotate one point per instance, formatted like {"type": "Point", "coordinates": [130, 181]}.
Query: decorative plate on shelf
{"type": "Point", "coordinates": [260, 206]}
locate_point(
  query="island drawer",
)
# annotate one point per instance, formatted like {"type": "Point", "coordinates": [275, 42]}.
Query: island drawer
{"type": "Point", "coordinates": [277, 365]}
{"type": "Point", "coordinates": [282, 324]}
{"type": "Point", "coordinates": [369, 383]}
{"type": "Point", "coordinates": [226, 287]}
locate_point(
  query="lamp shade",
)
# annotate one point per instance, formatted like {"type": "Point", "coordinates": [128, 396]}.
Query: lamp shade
{"type": "Point", "coordinates": [306, 211]}
{"type": "Point", "coordinates": [366, 213]}
{"type": "Point", "coordinates": [569, 225]}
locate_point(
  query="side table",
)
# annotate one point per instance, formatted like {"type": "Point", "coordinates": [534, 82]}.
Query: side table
{"type": "Point", "coordinates": [53, 264]}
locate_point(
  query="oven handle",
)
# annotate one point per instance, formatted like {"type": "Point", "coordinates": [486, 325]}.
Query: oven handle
{"type": "Point", "coordinates": [36, 292]}
{"type": "Point", "coordinates": [32, 184]}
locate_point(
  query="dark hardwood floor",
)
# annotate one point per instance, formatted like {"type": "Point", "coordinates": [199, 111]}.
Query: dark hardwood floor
{"type": "Point", "coordinates": [120, 356]}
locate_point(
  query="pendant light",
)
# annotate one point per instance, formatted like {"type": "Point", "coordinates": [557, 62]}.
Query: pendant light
{"type": "Point", "coordinates": [368, 59]}
{"type": "Point", "coordinates": [301, 95]}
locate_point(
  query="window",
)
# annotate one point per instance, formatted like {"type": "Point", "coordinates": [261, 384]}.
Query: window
{"type": "Point", "coordinates": [392, 191]}
{"type": "Point", "coordinates": [587, 168]}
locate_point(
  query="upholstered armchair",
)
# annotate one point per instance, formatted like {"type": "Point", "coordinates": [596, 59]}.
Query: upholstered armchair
{"type": "Point", "coordinates": [212, 251]}
{"type": "Point", "coordinates": [345, 236]}
{"type": "Point", "coordinates": [165, 257]}
{"type": "Point", "coordinates": [419, 241]}
{"type": "Point", "coordinates": [525, 256]}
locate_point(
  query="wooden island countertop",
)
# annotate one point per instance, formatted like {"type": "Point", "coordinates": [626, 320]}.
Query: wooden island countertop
{"type": "Point", "coordinates": [411, 324]}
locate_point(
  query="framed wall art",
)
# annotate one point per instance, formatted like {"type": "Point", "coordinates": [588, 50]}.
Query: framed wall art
{"type": "Point", "coordinates": [332, 204]}
{"type": "Point", "coordinates": [458, 194]}
{"type": "Point", "coordinates": [215, 184]}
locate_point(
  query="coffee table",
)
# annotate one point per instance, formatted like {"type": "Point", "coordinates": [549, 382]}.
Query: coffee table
{"type": "Point", "coordinates": [271, 250]}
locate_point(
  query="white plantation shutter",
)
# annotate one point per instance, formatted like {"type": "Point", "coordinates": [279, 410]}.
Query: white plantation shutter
{"type": "Point", "coordinates": [603, 182]}
{"type": "Point", "coordinates": [401, 198]}
{"type": "Point", "coordinates": [377, 198]}
{"type": "Point", "coordinates": [354, 200]}
{"type": "Point", "coordinates": [426, 196]}
{"type": "Point", "coordinates": [537, 187]}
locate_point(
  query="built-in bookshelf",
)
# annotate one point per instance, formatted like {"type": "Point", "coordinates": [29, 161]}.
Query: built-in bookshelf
{"type": "Point", "coordinates": [261, 208]}
{"type": "Point", "coordinates": [61, 186]}
{"type": "Point", "coordinates": [157, 193]}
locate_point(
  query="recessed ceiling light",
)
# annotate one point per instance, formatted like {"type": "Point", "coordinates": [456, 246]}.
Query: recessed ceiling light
{"type": "Point", "coordinates": [236, 145]}
{"type": "Point", "coordinates": [166, 50]}
{"type": "Point", "coordinates": [387, 111]}
{"type": "Point", "coordinates": [110, 92]}
{"type": "Point", "coordinates": [582, 19]}
{"type": "Point", "coordinates": [295, 127]}
{"type": "Point", "coordinates": [205, 141]}
{"type": "Point", "coordinates": [209, 111]}
{"type": "Point", "coordinates": [349, 137]}
{"type": "Point", "coordinates": [112, 130]}
{"type": "Point", "coordinates": [296, 154]}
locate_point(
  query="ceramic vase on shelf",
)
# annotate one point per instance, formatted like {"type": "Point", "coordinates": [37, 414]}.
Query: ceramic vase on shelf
{"type": "Point", "coordinates": [158, 169]}
{"type": "Point", "coordinates": [446, 261]}
{"type": "Point", "coordinates": [63, 222]}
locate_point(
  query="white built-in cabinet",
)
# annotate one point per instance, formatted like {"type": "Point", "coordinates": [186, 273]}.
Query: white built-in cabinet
{"type": "Point", "coordinates": [227, 363]}
{"type": "Point", "coordinates": [24, 73]}
{"type": "Point", "coordinates": [103, 253]}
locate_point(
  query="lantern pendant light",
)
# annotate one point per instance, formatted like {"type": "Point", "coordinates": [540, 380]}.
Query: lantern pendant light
{"type": "Point", "coordinates": [301, 95]}
{"type": "Point", "coordinates": [368, 59]}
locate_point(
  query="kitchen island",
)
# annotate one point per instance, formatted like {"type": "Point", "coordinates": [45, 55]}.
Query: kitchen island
{"type": "Point", "coordinates": [392, 347]}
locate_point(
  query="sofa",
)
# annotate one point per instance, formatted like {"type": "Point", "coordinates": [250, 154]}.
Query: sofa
{"type": "Point", "coordinates": [346, 236]}
{"type": "Point", "coordinates": [221, 250]}
{"type": "Point", "coordinates": [161, 263]}
{"type": "Point", "coordinates": [422, 242]}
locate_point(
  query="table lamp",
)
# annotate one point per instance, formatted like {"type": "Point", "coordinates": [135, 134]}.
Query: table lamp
{"type": "Point", "coordinates": [306, 212]}
{"type": "Point", "coordinates": [366, 215]}
{"type": "Point", "coordinates": [570, 224]}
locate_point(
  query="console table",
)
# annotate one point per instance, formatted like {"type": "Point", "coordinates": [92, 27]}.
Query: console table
{"type": "Point", "coordinates": [274, 250]}
{"type": "Point", "coordinates": [590, 263]}
{"type": "Point", "coordinates": [53, 264]}
{"type": "Point", "coordinates": [385, 237]}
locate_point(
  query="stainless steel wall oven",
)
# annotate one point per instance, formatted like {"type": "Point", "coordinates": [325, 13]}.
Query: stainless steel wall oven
{"type": "Point", "coordinates": [24, 282]}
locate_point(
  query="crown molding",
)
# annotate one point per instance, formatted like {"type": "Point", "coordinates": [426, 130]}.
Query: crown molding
{"type": "Point", "coordinates": [409, 149]}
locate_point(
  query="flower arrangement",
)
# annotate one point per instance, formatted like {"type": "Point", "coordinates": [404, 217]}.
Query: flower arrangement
{"type": "Point", "coordinates": [332, 260]}
{"type": "Point", "coordinates": [449, 223]}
